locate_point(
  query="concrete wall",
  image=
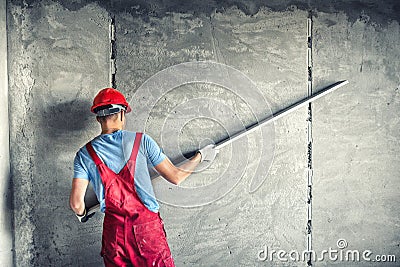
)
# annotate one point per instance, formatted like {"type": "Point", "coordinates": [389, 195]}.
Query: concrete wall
{"type": "Point", "coordinates": [231, 231]}
{"type": "Point", "coordinates": [334, 170]}
{"type": "Point", "coordinates": [59, 59]}
{"type": "Point", "coordinates": [356, 134]}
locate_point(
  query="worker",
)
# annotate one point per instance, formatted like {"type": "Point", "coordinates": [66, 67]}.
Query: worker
{"type": "Point", "coordinates": [116, 163]}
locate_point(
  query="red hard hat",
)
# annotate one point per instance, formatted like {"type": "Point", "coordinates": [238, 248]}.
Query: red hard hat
{"type": "Point", "coordinates": [108, 96]}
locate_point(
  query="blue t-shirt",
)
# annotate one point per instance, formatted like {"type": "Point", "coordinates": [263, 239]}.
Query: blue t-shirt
{"type": "Point", "coordinates": [114, 150]}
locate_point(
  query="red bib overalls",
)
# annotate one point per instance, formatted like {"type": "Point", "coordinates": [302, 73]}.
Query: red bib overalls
{"type": "Point", "coordinates": [132, 234]}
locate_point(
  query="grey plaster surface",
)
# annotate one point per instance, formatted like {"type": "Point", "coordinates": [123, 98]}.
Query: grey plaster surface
{"type": "Point", "coordinates": [356, 136]}
{"type": "Point", "coordinates": [230, 231]}
{"type": "Point", "coordinates": [59, 59]}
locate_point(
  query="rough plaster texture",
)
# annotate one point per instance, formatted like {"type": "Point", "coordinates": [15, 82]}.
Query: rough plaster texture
{"type": "Point", "coordinates": [5, 183]}
{"type": "Point", "coordinates": [231, 231]}
{"type": "Point", "coordinates": [356, 135]}
{"type": "Point", "coordinates": [58, 61]}
{"type": "Point", "coordinates": [59, 58]}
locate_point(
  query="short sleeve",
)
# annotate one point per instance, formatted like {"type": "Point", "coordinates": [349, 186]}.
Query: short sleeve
{"type": "Point", "coordinates": [154, 152]}
{"type": "Point", "coordinates": [80, 171]}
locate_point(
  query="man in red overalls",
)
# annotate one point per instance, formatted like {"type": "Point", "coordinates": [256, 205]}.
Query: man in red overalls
{"type": "Point", "coordinates": [116, 164]}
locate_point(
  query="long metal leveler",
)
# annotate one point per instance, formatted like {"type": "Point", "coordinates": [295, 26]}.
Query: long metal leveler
{"type": "Point", "coordinates": [90, 198]}
{"type": "Point", "coordinates": [281, 113]}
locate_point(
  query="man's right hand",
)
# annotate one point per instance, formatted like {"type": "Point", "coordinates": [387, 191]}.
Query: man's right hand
{"type": "Point", "coordinates": [208, 153]}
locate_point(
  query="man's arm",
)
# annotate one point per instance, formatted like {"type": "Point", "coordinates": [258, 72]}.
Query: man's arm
{"type": "Point", "coordinates": [175, 174]}
{"type": "Point", "coordinates": [77, 197]}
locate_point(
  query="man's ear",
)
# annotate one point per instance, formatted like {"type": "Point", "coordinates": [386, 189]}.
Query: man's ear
{"type": "Point", "coordinates": [97, 119]}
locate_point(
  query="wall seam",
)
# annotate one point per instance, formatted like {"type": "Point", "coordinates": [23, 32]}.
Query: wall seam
{"type": "Point", "coordinates": [113, 52]}
{"type": "Point", "coordinates": [309, 139]}
{"type": "Point", "coordinates": [6, 192]}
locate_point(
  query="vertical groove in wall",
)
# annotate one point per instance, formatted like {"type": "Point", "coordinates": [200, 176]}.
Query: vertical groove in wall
{"type": "Point", "coordinates": [6, 205]}
{"type": "Point", "coordinates": [309, 140]}
{"type": "Point", "coordinates": [113, 52]}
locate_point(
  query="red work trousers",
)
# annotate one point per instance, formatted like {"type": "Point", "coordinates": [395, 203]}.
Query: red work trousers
{"type": "Point", "coordinates": [132, 234]}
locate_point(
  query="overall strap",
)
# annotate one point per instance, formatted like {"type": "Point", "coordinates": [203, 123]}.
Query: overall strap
{"type": "Point", "coordinates": [136, 146]}
{"type": "Point", "coordinates": [93, 154]}
{"type": "Point", "coordinates": [135, 150]}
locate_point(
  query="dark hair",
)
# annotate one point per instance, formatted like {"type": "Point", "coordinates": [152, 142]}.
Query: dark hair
{"type": "Point", "coordinates": [103, 119]}
{"type": "Point", "coordinates": [106, 107]}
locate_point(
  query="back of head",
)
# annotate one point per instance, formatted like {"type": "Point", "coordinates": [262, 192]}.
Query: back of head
{"type": "Point", "coordinates": [109, 101]}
